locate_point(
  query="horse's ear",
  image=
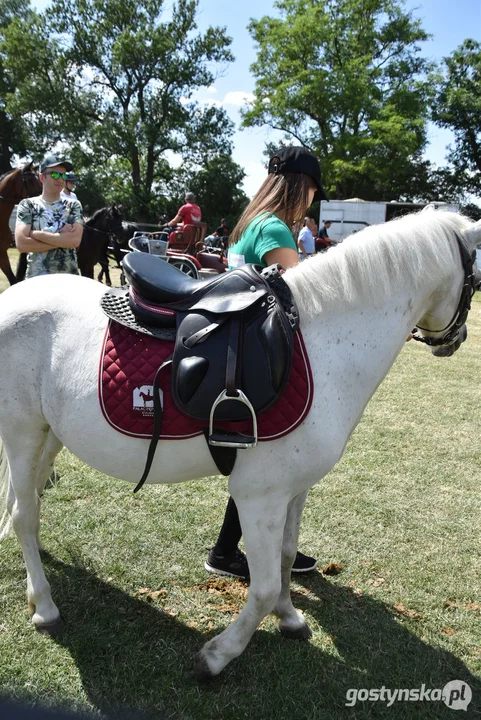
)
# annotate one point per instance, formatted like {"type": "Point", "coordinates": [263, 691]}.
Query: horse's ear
{"type": "Point", "coordinates": [473, 235]}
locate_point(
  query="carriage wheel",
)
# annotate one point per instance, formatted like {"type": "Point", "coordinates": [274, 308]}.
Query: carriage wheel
{"type": "Point", "coordinates": [184, 265]}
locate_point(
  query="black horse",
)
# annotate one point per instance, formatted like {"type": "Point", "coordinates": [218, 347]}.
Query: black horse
{"type": "Point", "coordinates": [116, 249]}
{"type": "Point", "coordinates": [98, 231]}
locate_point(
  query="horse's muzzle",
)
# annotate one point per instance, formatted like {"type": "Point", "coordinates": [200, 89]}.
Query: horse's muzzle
{"type": "Point", "coordinates": [448, 350]}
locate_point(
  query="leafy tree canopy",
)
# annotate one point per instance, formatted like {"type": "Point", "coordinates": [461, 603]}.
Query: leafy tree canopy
{"type": "Point", "coordinates": [115, 82]}
{"type": "Point", "coordinates": [457, 106]}
{"type": "Point", "coordinates": [345, 78]}
{"type": "Point", "coordinates": [217, 187]}
{"type": "Point", "coordinates": [12, 132]}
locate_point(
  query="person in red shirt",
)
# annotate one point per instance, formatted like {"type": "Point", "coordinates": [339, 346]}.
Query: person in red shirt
{"type": "Point", "coordinates": [188, 213]}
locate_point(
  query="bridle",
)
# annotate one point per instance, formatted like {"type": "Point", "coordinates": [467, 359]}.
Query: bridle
{"type": "Point", "coordinates": [24, 174]}
{"type": "Point", "coordinates": [110, 233]}
{"type": "Point", "coordinates": [471, 279]}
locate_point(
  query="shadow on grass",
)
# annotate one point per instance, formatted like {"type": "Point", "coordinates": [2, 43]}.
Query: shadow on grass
{"type": "Point", "coordinates": [133, 656]}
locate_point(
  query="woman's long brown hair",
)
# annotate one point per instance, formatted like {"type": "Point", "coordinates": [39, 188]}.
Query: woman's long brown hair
{"type": "Point", "coordinates": [286, 196]}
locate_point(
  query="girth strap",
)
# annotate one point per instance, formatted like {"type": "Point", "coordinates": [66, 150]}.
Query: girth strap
{"type": "Point", "coordinates": [157, 424]}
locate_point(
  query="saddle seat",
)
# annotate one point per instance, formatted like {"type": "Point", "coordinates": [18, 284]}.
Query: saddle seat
{"type": "Point", "coordinates": [163, 283]}
{"type": "Point", "coordinates": [234, 341]}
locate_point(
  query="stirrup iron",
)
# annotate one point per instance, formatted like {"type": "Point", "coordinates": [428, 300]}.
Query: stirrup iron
{"type": "Point", "coordinates": [234, 440]}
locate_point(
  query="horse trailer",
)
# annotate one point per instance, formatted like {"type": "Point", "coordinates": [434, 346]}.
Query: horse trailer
{"type": "Point", "coordinates": [350, 216]}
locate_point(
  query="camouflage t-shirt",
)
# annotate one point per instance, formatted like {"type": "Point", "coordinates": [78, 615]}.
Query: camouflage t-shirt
{"type": "Point", "coordinates": [50, 217]}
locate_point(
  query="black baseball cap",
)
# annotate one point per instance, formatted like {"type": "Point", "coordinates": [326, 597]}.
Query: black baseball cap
{"type": "Point", "coordinates": [53, 160]}
{"type": "Point", "coordinates": [298, 159]}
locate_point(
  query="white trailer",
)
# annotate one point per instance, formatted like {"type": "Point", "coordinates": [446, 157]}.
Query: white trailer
{"type": "Point", "coordinates": [349, 216]}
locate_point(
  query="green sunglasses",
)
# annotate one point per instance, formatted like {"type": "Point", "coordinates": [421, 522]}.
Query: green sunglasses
{"type": "Point", "coordinates": [56, 175]}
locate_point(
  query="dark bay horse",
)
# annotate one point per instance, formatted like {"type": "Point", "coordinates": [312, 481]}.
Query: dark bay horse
{"type": "Point", "coordinates": [103, 225]}
{"type": "Point", "coordinates": [15, 185]}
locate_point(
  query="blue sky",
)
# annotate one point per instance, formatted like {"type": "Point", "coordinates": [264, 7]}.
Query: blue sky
{"type": "Point", "coordinates": [448, 21]}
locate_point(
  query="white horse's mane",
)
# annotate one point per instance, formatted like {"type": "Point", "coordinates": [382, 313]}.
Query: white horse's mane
{"type": "Point", "coordinates": [371, 263]}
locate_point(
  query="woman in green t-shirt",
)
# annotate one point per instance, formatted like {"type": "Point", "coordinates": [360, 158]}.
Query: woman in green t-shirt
{"type": "Point", "coordinates": [262, 236]}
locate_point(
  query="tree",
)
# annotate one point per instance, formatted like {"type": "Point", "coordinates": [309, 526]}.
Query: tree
{"type": "Point", "coordinates": [457, 106]}
{"type": "Point", "coordinates": [12, 131]}
{"type": "Point", "coordinates": [115, 82]}
{"type": "Point", "coordinates": [217, 186]}
{"type": "Point", "coordinates": [344, 78]}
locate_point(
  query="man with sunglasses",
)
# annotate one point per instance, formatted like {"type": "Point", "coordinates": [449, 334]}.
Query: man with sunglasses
{"type": "Point", "coordinates": [49, 227]}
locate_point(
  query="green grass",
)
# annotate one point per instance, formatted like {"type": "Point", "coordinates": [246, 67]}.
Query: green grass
{"type": "Point", "coordinates": [400, 513]}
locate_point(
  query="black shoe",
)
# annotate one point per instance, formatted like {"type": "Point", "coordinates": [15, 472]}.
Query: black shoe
{"type": "Point", "coordinates": [304, 563]}
{"type": "Point", "coordinates": [234, 565]}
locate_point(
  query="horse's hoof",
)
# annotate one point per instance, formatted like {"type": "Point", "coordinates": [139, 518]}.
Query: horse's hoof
{"type": "Point", "coordinates": [202, 671]}
{"type": "Point", "coordinates": [301, 633]}
{"type": "Point", "coordinates": [52, 629]}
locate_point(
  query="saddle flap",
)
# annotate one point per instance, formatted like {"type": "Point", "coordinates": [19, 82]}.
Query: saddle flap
{"type": "Point", "coordinates": [262, 364]}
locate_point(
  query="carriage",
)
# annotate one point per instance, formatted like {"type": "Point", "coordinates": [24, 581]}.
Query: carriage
{"type": "Point", "coordinates": [184, 249]}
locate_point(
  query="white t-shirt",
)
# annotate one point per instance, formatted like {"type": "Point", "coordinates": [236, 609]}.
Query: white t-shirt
{"type": "Point", "coordinates": [68, 196]}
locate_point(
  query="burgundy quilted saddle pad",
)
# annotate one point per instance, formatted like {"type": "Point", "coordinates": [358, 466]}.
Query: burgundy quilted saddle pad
{"type": "Point", "coordinates": [128, 363]}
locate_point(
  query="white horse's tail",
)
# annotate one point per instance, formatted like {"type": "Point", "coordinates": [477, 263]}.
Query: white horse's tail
{"type": "Point", "coordinates": [5, 519]}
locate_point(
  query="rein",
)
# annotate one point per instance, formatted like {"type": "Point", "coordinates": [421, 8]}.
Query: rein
{"type": "Point", "coordinates": [109, 232]}
{"type": "Point", "coordinates": [451, 331]}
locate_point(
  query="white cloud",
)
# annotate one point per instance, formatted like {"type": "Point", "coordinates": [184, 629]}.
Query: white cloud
{"type": "Point", "coordinates": [211, 89]}
{"type": "Point", "coordinates": [237, 98]}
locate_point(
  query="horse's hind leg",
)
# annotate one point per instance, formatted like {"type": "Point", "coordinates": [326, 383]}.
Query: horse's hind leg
{"type": "Point", "coordinates": [262, 520]}
{"type": "Point", "coordinates": [47, 460]}
{"type": "Point", "coordinates": [292, 624]}
{"type": "Point", "coordinates": [24, 451]}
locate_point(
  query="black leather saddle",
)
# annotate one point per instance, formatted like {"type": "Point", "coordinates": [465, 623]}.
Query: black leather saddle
{"type": "Point", "coordinates": [234, 338]}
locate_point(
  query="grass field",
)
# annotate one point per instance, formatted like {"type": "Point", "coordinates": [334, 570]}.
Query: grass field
{"type": "Point", "coordinates": [400, 513]}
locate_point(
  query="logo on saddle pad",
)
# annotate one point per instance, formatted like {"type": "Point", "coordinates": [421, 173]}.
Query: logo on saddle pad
{"type": "Point", "coordinates": [143, 399]}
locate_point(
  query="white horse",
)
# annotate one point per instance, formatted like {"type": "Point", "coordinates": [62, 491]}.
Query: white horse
{"type": "Point", "coordinates": [357, 304]}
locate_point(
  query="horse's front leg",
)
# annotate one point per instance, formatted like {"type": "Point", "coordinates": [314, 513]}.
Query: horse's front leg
{"type": "Point", "coordinates": [104, 264]}
{"type": "Point", "coordinates": [24, 452]}
{"type": "Point", "coordinates": [6, 267]}
{"type": "Point", "coordinates": [262, 520]}
{"type": "Point", "coordinates": [292, 623]}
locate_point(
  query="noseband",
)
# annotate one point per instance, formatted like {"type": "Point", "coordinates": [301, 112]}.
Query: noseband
{"type": "Point", "coordinates": [451, 331]}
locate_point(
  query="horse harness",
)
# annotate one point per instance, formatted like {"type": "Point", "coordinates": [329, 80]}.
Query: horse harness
{"type": "Point", "coordinates": [471, 280]}
{"type": "Point", "coordinates": [234, 344]}
{"type": "Point", "coordinates": [110, 232]}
